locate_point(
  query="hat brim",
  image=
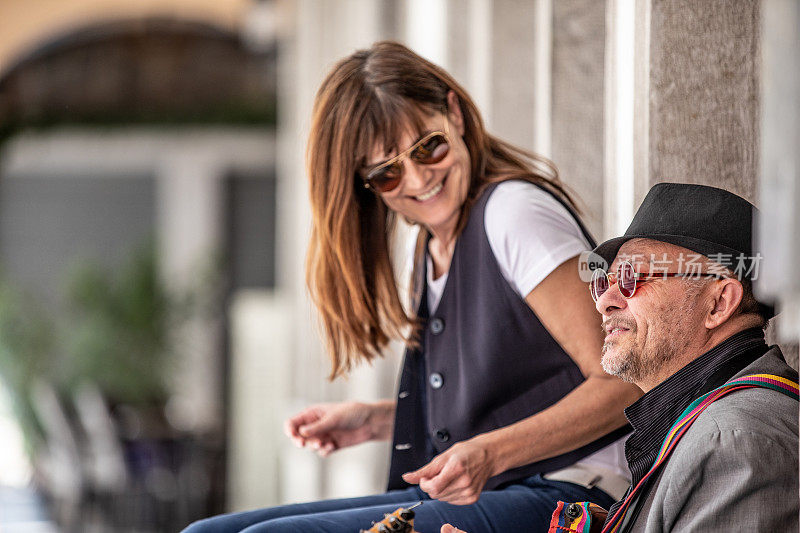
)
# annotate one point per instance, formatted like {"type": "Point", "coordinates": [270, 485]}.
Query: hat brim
{"type": "Point", "coordinates": [609, 249]}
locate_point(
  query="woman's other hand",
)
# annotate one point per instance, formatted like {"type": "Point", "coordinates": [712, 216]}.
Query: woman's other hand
{"type": "Point", "coordinates": [328, 427]}
{"type": "Point", "coordinates": [447, 528]}
{"type": "Point", "coordinates": [456, 475]}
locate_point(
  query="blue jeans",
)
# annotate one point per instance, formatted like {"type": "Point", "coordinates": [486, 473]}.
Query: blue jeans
{"type": "Point", "coordinates": [526, 505]}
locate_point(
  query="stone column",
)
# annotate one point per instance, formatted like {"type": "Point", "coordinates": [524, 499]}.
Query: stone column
{"type": "Point", "coordinates": [780, 167]}
{"type": "Point", "coordinates": [704, 93]}
{"type": "Point", "coordinates": [469, 53]}
{"type": "Point", "coordinates": [189, 221]}
{"type": "Point", "coordinates": [578, 66]}
{"type": "Point", "coordinates": [692, 79]}
{"type": "Point", "coordinates": [682, 98]}
{"type": "Point", "coordinates": [513, 71]}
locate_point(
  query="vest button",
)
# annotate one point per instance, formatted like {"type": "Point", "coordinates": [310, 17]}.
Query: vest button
{"type": "Point", "coordinates": [436, 380]}
{"type": "Point", "coordinates": [437, 325]}
{"type": "Point", "coordinates": [442, 435]}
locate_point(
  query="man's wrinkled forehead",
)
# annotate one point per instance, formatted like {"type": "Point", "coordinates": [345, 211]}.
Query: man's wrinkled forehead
{"type": "Point", "coordinates": [647, 255]}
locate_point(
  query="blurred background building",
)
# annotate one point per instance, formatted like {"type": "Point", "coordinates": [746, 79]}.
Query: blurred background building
{"type": "Point", "coordinates": [154, 325]}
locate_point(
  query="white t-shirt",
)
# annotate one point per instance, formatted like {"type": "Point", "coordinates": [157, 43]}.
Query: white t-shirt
{"type": "Point", "coordinates": [531, 233]}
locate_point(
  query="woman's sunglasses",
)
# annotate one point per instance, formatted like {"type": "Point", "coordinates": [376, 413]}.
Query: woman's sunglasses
{"type": "Point", "coordinates": [628, 279]}
{"type": "Point", "coordinates": [429, 150]}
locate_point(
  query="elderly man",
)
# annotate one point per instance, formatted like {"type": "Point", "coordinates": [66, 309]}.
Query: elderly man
{"type": "Point", "coordinates": [681, 321]}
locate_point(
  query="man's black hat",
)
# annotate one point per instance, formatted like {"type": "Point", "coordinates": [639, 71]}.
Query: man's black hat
{"type": "Point", "coordinates": [707, 220]}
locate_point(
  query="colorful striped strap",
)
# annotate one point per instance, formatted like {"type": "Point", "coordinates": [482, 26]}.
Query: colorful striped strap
{"type": "Point", "coordinates": [767, 381]}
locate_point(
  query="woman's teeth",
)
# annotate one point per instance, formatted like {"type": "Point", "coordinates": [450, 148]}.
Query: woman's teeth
{"type": "Point", "coordinates": [430, 194]}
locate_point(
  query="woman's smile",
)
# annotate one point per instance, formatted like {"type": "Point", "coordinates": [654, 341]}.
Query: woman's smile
{"type": "Point", "coordinates": [431, 193]}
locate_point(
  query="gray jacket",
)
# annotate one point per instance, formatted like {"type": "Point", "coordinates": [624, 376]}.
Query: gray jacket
{"type": "Point", "coordinates": [736, 468]}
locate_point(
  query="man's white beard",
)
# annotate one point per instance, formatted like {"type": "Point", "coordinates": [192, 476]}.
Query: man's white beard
{"type": "Point", "coordinates": [633, 366]}
{"type": "Point", "coordinates": [619, 366]}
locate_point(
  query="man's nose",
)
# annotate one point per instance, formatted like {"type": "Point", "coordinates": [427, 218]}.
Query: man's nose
{"type": "Point", "coordinates": [610, 301]}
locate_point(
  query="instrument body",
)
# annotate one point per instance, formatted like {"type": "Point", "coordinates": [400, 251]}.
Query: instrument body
{"type": "Point", "coordinates": [400, 521]}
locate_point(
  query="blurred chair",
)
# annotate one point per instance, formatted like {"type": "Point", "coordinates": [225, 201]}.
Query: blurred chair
{"type": "Point", "coordinates": [103, 458]}
{"type": "Point", "coordinates": [59, 463]}
{"type": "Point", "coordinates": [98, 476]}
{"type": "Point", "coordinates": [103, 454]}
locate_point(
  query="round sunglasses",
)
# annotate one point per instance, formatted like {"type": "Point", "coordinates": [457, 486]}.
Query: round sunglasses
{"type": "Point", "coordinates": [429, 150]}
{"type": "Point", "coordinates": [628, 279]}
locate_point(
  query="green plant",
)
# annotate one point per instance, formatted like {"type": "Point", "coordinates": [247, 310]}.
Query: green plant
{"type": "Point", "coordinates": [116, 330]}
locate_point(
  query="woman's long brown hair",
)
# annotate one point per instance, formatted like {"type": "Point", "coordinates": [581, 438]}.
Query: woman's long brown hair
{"type": "Point", "coordinates": [369, 98]}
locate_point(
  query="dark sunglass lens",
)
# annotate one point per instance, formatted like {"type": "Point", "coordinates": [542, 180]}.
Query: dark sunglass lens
{"type": "Point", "coordinates": [599, 284]}
{"type": "Point", "coordinates": [386, 178]}
{"type": "Point", "coordinates": [387, 184]}
{"type": "Point", "coordinates": [431, 151]}
{"type": "Point", "coordinates": [627, 279]}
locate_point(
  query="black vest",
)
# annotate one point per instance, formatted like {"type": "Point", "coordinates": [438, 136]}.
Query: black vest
{"type": "Point", "coordinates": [485, 362]}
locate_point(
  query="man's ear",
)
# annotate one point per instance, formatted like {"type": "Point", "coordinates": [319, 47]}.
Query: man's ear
{"type": "Point", "coordinates": [727, 294]}
{"type": "Point", "coordinates": [454, 111]}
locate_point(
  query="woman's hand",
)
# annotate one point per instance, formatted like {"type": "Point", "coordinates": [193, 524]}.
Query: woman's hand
{"type": "Point", "coordinates": [328, 427]}
{"type": "Point", "coordinates": [458, 474]}
{"type": "Point", "coordinates": [447, 528]}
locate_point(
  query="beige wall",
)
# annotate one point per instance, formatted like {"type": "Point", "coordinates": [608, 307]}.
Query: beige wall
{"type": "Point", "coordinates": [27, 24]}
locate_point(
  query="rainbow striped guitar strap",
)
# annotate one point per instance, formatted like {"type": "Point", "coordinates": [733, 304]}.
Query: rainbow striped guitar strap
{"type": "Point", "coordinates": [767, 381]}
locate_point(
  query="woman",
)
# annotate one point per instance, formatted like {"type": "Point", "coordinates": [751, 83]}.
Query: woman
{"type": "Point", "coordinates": [502, 379]}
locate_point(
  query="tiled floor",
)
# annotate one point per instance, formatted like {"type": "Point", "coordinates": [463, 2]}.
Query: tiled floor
{"type": "Point", "coordinates": [21, 511]}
